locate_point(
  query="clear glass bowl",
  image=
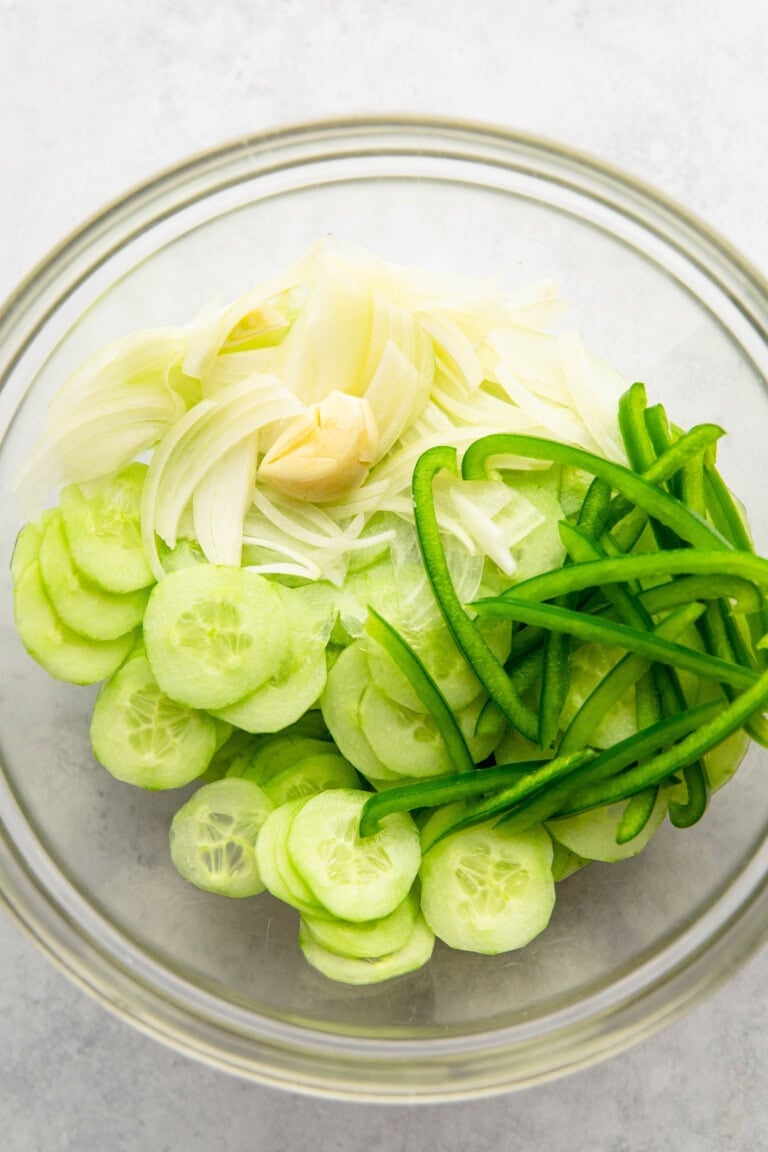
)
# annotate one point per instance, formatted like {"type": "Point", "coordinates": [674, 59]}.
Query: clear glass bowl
{"type": "Point", "coordinates": [83, 859]}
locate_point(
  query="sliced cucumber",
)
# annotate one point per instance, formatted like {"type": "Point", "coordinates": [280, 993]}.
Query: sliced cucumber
{"type": "Point", "coordinates": [721, 763]}
{"type": "Point", "coordinates": [481, 739]}
{"type": "Point", "coordinates": [183, 555]}
{"type": "Point", "coordinates": [310, 775]}
{"type": "Point", "coordinates": [214, 836]}
{"type": "Point", "coordinates": [283, 699]}
{"type": "Point", "coordinates": [447, 666]}
{"type": "Point", "coordinates": [369, 938]}
{"type": "Point", "coordinates": [265, 758]}
{"type": "Point", "coordinates": [63, 653]}
{"type": "Point", "coordinates": [214, 634]}
{"type": "Point", "coordinates": [143, 737]}
{"type": "Point", "coordinates": [340, 704]}
{"type": "Point", "coordinates": [236, 745]}
{"type": "Point", "coordinates": [312, 724]}
{"type": "Point", "coordinates": [25, 550]}
{"type": "Point", "coordinates": [440, 820]}
{"type": "Point", "coordinates": [102, 525]}
{"type": "Point", "coordinates": [276, 867]}
{"type": "Point", "coordinates": [565, 862]}
{"type": "Point", "coordinates": [354, 878]}
{"type": "Point", "coordinates": [592, 835]}
{"type": "Point", "coordinates": [301, 677]}
{"type": "Point", "coordinates": [590, 664]}
{"type": "Point", "coordinates": [81, 604]}
{"type": "Point", "coordinates": [348, 970]}
{"type": "Point", "coordinates": [488, 890]}
{"type": "Point", "coordinates": [407, 743]}
{"type": "Point", "coordinates": [27, 546]}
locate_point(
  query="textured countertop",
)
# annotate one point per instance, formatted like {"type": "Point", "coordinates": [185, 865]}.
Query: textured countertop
{"type": "Point", "coordinates": [97, 96]}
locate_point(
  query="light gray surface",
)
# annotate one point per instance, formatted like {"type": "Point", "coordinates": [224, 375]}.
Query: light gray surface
{"type": "Point", "coordinates": [98, 96]}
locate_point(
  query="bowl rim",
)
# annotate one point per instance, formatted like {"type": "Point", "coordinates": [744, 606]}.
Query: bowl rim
{"type": "Point", "coordinates": [286, 1056]}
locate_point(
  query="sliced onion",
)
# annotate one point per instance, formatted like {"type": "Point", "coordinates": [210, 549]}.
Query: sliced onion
{"type": "Point", "coordinates": [220, 501]}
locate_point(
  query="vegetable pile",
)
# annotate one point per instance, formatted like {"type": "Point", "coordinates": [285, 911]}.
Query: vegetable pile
{"type": "Point", "coordinates": [433, 608]}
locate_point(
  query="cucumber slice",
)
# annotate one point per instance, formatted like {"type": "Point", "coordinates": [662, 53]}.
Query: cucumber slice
{"type": "Point", "coordinates": [183, 555]}
{"type": "Point", "coordinates": [340, 704]}
{"type": "Point", "coordinates": [137, 647]}
{"type": "Point", "coordinates": [481, 743]}
{"type": "Point", "coordinates": [349, 970]}
{"type": "Point", "coordinates": [565, 862]}
{"type": "Point", "coordinates": [214, 836]}
{"type": "Point", "coordinates": [284, 699]}
{"type": "Point", "coordinates": [310, 775]}
{"type": "Point", "coordinates": [64, 654]}
{"type": "Point", "coordinates": [591, 663]}
{"type": "Point", "coordinates": [275, 865]}
{"type": "Point", "coordinates": [439, 821]}
{"type": "Point", "coordinates": [447, 666]}
{"type": "Point", "coordinates": [27, 546]}
{"type": "Point", "coordinates": [25, 550]}
{"type": "Point", "coordinates": [81, 604]}
{"type": "Point", "coordinates": [410, 744]}
{"type": "Point", "coordinates": [143, 737]}
{"type": "Point", "coordinates": [236, 746]}
{"type": "Point", "coordinates": [592, 834]}
{"type": "Point", "coordinates": [721, 763]}
{"type": "Point", "coordinates": [312, 724]}
{"type": "Point", "coordinates": [223, 732]}
{"type": "Point", "coordinates": [102, 524]}
{"type": "Point", "coordinates": [214, 634]}
{"type": "Point", "coordinates": [407, 743]}
{"type": "Point", "coordinates": [301, 678]}
{"type": "Point", "coordinates": [265, 758]}
{"type": "Point", "coordinates": [354, 878]}
{"type": "Point", "coordinates": [370, 938]}
{"type": "Point", "coordinates": [488, 890]}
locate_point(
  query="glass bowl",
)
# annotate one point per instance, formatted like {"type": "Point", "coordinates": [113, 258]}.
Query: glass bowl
{"type": "Point", "coordinates": [84, 863]}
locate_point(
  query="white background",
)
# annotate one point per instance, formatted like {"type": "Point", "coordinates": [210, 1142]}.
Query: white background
{"type": "Point", "coordinates": [96, 95]}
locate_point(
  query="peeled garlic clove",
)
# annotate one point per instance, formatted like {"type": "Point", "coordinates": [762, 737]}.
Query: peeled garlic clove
{"type": "Point", "coordinates": [325, 451]}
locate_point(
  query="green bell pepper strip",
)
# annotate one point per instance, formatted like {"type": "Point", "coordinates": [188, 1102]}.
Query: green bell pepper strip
{"type": "Point", "coordinates": [659, 505]}
{"type": "Point", "coordinates": [619, 680]}
{"type": "Point", "coordinates": [687, 814]}
{"type": "Point", "coordinates": [683, 815]}
{"type": "Point", "coordinates": [608, 764]}
{"type": "Point", "coordinates": [658, 694]}
{"type": "Point", "coordinates": [524, 642]}
{"type": "Point", "coordinates": [725, 514]}
{"type": "Point", "coordinates": [555, 680]}
{"type": "Point", "coordinates": [642, 566]}
{"type": "Point", "coordinates": [401, 653]}
{"type": "Point", "coordinates": [640, 449]}
{"type": "Point", "coordinates": [706, 737]}
{"type": "Point", "coordinates": [666, 465]}
{"type": "Point", "coordinates": [662, 439]}
{"type": "Point", "coordinates": [648, 696]}
{"type": "Point", "coordinates": [688, 486]}
{"type": "Point", "coordinates": [626, 534]}
{"type": "Point", "coordinates": [521, 814]}
{"type": "Point", "coordinates": [723, 638]}
{"type": "Point", "coordinates": [486, 667]}
{"type": "Point", "coordinates": [582, 548]}
{"type": "Point", "coordinates": [595, 507]}
{"type": "Point", "coordinates": [521, 780]}
{"type": "Point", "coordinates": [637, 442]}
{"type": "Point", "coordinates": [744, 595]}
{"type": "Point", "coordinates": [596, 630]}
{"type": "Point", "coordinates": [723, 509]}
{"type": "Point", "coordinates": [636, 815]}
